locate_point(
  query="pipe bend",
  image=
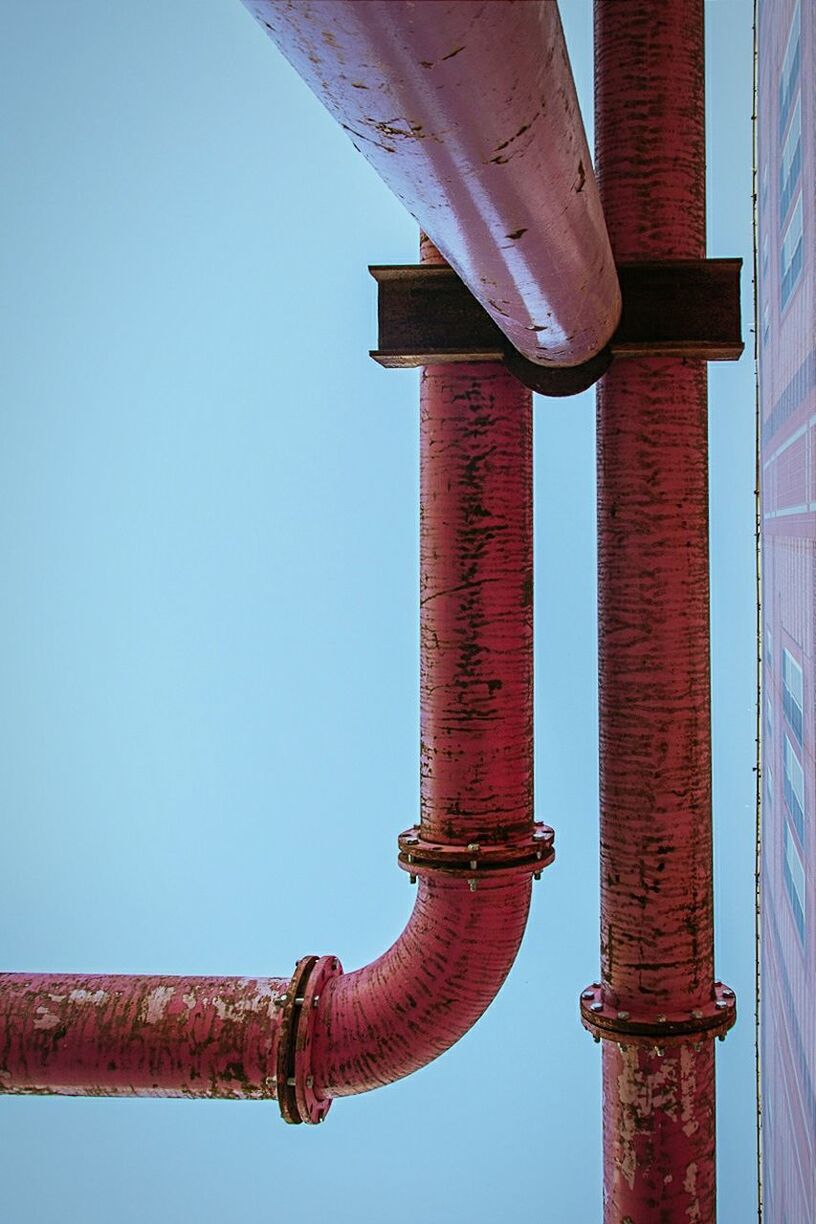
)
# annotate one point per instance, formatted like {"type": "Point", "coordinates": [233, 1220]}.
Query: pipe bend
{"type": "Point", "coordinates": [411, 1004]}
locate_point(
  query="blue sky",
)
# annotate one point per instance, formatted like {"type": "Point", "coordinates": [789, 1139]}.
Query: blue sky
{"type": "Point", "coordinates": [209, 687]}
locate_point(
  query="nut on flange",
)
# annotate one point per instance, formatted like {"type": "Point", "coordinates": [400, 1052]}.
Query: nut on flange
{"type": "Point", "coordinates": [658, 1030]}
{"type": "Point", "coordinates": [477, 860]}
{"type": "Point", "coordinates": [297, 1099]}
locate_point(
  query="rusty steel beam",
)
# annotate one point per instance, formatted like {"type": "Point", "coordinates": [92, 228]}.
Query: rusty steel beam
{"type": "Point", "coordinates": [324, 1033]}
{"type": "Point", "coordinates": [656, 1005]}
{"type": "Point", "coordinates": [486, 150]}
{"type": "Point", "coordinates": [671, 308]}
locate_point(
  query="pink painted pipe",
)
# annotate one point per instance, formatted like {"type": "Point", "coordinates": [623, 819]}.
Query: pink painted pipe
{"type": "Point", "coordinates": [468, 112]}
{"type": "Point", "coordinates": [657, 933]}
{"type": "Point", "coordinates": [220, 1036]}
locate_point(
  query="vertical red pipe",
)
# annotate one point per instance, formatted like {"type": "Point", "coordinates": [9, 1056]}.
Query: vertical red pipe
{"type": "Point", "coordinates": [656, 873]}
{"type": "Point", "coordinates": [476, 749]}
{"type": "Point", "coordinates": [476, 601]}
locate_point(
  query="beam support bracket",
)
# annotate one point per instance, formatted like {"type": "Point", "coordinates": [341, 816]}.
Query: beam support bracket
{"type": "Point", "coordinates": [671, 308]}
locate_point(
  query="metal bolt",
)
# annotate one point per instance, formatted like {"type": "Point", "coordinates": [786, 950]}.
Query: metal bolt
{"type": "Point", "coordinates": [720, 1004]}
{"type": "Point", "coordinates": [587, 994]}
{"type": "Point", "coordinates": [315, 1000]}
{"type": "Point", "coordinates": [410, 858]}
{"type": "Point", "coordinates": [473, 845]}
{"type": "Point", "coordinates": [623, 1015]}
{"type": "Point", "coordinates": [661, 1019]}
{"type": "Point", "coordinates": [412, 841]}
{"type": "Point", "coordinates": [728, 992]}
{"type": "Point", "coordinates": [596, 1039]}
{"type": "Point", "coordinates": [658, 1051]}
{"type": "Point", "coordinates": [299, 1001]}
{"type": "Point", "coordinates": [309, 1081]}
{"type": "Point", "coordinates": [596, 1007]}
{"type": "Point", "coordinates": [721, 1037]}
{"type": "Point", "coordinates": [539, 835]}
{"type": "Point", "coordinates": [321, 1117]}
{"type": "Point", "coordinates": [473, 885]}
{"type": "Point", "coordinates": [291, 1081]}
{"type": "Point", "coordinates": [622, 1048]}
{"type": "Point", "coordinates": [412, 879]}
{"type": "Point", "coordinates": [536, 875]}
{"type": "Point", "coordinates": [473, 864]}
{"type": "Point", "coordinates": [697, 1014]}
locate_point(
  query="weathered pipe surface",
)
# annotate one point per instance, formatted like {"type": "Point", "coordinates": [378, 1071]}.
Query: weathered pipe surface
{"type": "Point", "coordinates": [397, 1014]}
{"type": "Point", "coordinates": [220, 1037]}
{"type": "Point", "coordinates": [656, 877]}
{"type": "Point", "coordinates": [659, 1135]}
{"type": "Point", "coordinates": [487, 150]}
{"type": "Point", "coordinates": [115, 1035]}
{"type": "Point", "coordinates": [476, 711]}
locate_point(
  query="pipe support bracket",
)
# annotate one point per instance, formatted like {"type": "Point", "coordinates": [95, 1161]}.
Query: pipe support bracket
{"type": "Point", "coordinates": [671, 308]}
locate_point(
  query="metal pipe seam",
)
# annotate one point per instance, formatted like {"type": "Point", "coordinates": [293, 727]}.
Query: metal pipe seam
{"type": "Point", "coordinates": [487, 151]}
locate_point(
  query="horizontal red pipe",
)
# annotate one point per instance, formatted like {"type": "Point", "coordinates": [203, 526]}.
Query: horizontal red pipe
{"type": "Point", "coordinates": [656, 872]}
{"type": "Point", "coordinates": [468, 112]}
{"type": "Point", "coordinates": [220, 1037]}
{"type": "Point", "coordinates": [114, 1035]}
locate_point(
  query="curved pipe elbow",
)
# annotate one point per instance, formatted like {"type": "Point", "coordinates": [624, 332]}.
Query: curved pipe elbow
{"type": "Point", "coordinates": [413, 1003]}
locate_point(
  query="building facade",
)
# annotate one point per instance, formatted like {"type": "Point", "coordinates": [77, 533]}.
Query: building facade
{"type": "Point", "coordinates": [786, 256]}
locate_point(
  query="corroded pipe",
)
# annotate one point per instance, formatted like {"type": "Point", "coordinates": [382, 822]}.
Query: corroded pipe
{"type": "Point", "coordinates": [312, 1038]}
{"type": "Point", "coordinates": [468, 112]}
{"type": "Point", "coordinates": [657, 954]}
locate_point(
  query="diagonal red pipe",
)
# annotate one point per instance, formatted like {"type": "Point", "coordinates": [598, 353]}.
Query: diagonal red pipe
{"type": "Point", "coordinates": [325, 1033]}
{"type": "Point", "coordinates": [468, 113]}
{"type": "Point", "coordinates": [657, 952]}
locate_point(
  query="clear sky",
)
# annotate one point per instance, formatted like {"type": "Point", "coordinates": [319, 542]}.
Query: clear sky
{"type": "Point", "coordinates": [209, 673]}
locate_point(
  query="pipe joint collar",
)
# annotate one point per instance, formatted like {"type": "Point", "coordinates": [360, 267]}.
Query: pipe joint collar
{"type": "Point", "coordinates": [650, 1029]}
{"type": "Point", "coordinates": [477, 860]}
{"type": "Point", "coordinates": [297, 1098]}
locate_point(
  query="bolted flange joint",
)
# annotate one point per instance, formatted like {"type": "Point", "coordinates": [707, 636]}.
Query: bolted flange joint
{"type": "Point", "coordinates": [297, 1098]}
{"type": "Point", "coordinates": [477, 860]}
{"type": "Point", "coordinates": [654, 1030]}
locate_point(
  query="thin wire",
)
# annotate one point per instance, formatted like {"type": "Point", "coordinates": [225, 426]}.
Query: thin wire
{"type": "Point", "coordinates": [758, 544]}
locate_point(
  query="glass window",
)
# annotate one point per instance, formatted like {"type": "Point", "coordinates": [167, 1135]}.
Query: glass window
{"type": "Point", "coordinates": [795, 881]}
{"type": "Point", "coordinates": [791, 161]}
{"type": "Point", "coordinates": [789, 78]}
{"type": "Point", "coordinates": [794, 789]}
{"type": "Point", "coordinates": [792, 693]}
{"type": "Point", "coordinates": [791, 256]}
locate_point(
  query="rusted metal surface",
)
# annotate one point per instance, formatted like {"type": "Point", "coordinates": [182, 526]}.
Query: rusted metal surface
{"type": "Point", "coordinates": [298, 1099]}
{"type": "Point", "coordinates": [326, 1033]}
{"type": "Point", "coordinates": [486, 150]}
{"type": "Point", "coordinates": [659, 1129]}
{"type": "Point", "coordinates": [476, 696]}
{"type": "Point", "coordinates": [101, 1035]}
{"type": "Point", "coordinates": [683, 308]}
{"type": "Point", "coordinates": [657, 1030]}
{"type": "Point", "coordinates": [477, 860]}
{"type": "Point", "coordinates": [657, 954]}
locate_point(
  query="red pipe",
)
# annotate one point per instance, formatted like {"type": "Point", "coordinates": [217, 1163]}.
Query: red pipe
{"type": "Point", "coordinates": [474, 850]}
{"type": "Point", "coordinates": [656, 871]}
{"type": "Point", "coordinates": [486, 150]}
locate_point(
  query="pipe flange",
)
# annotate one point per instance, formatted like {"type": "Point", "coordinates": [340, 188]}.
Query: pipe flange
{"type": "Point", "coordinates": [297, 1098]}
{"type": "Point", "coordinates": [655, 1030]}
{"type": "Point", "coordinates": [474, 860]}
